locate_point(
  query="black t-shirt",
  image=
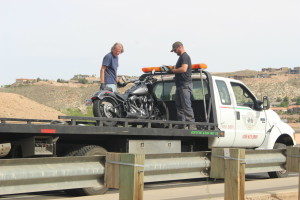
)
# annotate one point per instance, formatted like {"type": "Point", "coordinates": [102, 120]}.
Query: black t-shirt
{"type": "Point", "coordinates": [186, 77]}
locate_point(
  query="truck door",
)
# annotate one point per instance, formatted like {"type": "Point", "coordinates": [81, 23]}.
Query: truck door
{"type": "Point", "coordinates": [250, 120]}
{"type": "Point", "coordinates": [226, 115]}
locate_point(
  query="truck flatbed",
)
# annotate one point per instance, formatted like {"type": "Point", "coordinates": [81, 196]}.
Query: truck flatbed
{"type": "Point", "coordinates": [94, 126]}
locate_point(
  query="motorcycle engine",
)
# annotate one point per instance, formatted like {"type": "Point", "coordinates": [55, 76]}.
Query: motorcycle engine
{"type": "Point", "coordinates": [139, 107]}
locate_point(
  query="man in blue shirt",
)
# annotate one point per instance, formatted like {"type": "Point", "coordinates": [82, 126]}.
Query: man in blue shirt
{"type": "Point", "coordinates": [110, 64]}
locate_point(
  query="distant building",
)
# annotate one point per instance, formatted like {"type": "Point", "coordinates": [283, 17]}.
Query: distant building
{"type": "Point", "coordinates": [89, 78]}
{"type": "Point", "coordinates": [269, 69]}
{"type": "Point", "coordinates": [236, 77]}
{"type": "Point", "coordinates": [25, 80]}
{"type": "Point", "coordinates": [80, 76]}
{"type": "Point", "coordinates": [296, 70]}
{"type": "Point", "coordinates": [284, 69]}
{"type": "Point", "coordinates": [263, 76]}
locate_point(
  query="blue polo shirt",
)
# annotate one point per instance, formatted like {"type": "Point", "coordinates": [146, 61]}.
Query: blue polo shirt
{"type": "Point", "coordinates": [111, 62]}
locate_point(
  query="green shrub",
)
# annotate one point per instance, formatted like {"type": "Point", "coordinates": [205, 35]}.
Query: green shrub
{"type": "Point", "coordinates": [77, 112]}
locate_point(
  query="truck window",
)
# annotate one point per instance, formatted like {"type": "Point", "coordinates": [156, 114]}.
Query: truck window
{"type": "Point", "coordinates": [197, 93]}
{"type": "Point", "coordinates": [223, 92]}
{"type": "Point", "coordinates": [166, 90]}
{"type": "Point", "coordinates": [242, 95]}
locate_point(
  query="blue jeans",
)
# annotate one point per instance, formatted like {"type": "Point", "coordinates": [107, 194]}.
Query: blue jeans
{"type": "Point", "coordinates": [112, 86]}
{"type": "Point", "coordinates": [183, 103]}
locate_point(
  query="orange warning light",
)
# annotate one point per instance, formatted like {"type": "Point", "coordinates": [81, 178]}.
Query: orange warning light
{"type": "Point", "coordinates": [157, 69]}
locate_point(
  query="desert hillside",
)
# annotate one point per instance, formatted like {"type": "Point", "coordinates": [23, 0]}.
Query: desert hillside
{"type": "Point", "coordinates": [17, 106]}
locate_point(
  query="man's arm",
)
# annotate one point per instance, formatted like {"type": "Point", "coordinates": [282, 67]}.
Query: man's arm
{"type": "Point", "coordinates": [102, 74]}
{"type": "Point", "coordinates": [181, 69]}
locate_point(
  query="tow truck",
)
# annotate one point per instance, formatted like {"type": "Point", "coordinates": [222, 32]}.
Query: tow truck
{"type": "Point", "coordinates": [227, 114]}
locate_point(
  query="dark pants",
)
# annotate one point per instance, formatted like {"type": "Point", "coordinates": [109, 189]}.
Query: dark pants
{"type": "Point", "coordinates": [183, 103]}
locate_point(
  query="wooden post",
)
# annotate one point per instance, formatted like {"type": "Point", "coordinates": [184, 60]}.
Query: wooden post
{"type": "Point", "coordinates": [292, 160]}
{"type": "Point", "coordinates": [234, 174]}
{"type": "Point", "coordinates": [131, 176]}
{"type": "Point", "coordinates": [111, 175]}
{"type": "Point", "coordinates": [217, 168]}
{"type": "Point", "coordinates": [293, 165]}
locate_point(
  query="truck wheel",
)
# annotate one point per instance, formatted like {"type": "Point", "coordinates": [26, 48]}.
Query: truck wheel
{"type": "Point", "coordinates": [104, 108]}
{"type": "Point", "coordinates": [90, 150]}
{"type": "Point", "coordinates": [279, 174]}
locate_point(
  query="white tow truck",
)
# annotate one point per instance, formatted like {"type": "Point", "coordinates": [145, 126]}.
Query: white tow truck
{"type": "Point", "coordinates": [227, 114]}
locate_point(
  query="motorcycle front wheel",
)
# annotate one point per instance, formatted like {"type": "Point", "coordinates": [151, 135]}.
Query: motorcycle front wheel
{"type": "Point", "coordinates": [105, 108]}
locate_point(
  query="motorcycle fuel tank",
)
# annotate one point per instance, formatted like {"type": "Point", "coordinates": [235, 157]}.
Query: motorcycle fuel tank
{"type": "Point", "coordinates": [140, 90]}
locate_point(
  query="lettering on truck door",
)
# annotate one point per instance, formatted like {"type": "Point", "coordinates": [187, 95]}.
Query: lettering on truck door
{"type": "Point", "coordinates": [250, 120]}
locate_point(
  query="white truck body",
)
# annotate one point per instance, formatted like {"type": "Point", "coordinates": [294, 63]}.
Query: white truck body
{"type": "Point", "coordinates": [246, 126]}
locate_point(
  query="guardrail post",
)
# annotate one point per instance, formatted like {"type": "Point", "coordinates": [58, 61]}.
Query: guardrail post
{"type": "Point", "coordinates": [126, 172]}
{"type": "Point", "coordinates": [217, 168]}
{"type": "Point", "coordinates": [131, 177]}
{"type": "Point", "coordinates": [293, 155]}
{"type": "Point", "coordinates": [112, 170]}
{"type": "Point", "coordinates": [234, 174]}
{"type": "Point", "coordinates": [230, 165]}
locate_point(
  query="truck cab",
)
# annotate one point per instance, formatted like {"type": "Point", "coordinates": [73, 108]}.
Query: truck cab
{"type": "Point", "coordinates": [246, 121]}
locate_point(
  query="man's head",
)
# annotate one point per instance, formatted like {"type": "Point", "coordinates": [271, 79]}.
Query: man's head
{"type": "Point", "coordinates": [177, 48]}
{"type": "Point", "coordinates": [117, 49]}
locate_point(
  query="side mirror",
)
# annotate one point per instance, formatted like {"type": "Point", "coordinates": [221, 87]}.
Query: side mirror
{"type": "Point", "coordinates": [266, 103]}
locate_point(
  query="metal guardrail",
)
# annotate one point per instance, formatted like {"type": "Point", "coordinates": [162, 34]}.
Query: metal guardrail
{"type": "Point", "coordinates": [175, 166]}
{"type": "Point", "coordinates": [45, 174]}
{"type": "Point", "coordinates": [265, 160]}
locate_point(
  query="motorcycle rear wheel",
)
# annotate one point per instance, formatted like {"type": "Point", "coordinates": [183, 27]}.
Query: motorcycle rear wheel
{"type": "Point", "coordinates": [104, 108]}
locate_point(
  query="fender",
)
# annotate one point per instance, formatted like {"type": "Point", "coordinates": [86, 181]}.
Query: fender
{"type": "Point", "coordinates": [278, 132]}
{"type": "Point", "coordinates": [104, 94]}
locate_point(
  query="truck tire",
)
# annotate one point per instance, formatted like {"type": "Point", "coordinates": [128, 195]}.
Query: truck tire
{"type": "Point", "coordinates": [279, 174]}
{"type": "Point", "coordinates": [90, 150]}
{"type": "Point", "coordinates": [102, 108]}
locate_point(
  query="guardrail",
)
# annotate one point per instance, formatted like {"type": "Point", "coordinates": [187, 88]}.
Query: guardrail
{"type": "Point", "coordinates": [46, 174]}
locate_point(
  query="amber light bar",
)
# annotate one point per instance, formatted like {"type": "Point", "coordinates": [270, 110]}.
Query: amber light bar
{"type": "Point", "coordinates": [157, 69]}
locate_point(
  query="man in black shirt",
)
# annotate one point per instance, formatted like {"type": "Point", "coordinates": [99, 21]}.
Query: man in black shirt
{"type": "Point", "coordinates": [183, 81]}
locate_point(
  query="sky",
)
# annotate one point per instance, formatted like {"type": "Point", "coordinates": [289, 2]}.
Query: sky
{"type": "Point", "coordinates": [51, 39]}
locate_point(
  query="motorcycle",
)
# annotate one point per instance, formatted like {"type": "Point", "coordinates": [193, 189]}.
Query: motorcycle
{"type": "Point", "coordinates": [138, 102]}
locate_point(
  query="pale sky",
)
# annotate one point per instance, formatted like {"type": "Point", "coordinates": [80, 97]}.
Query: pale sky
{"type": "Point", "coordinates": [53, 39]}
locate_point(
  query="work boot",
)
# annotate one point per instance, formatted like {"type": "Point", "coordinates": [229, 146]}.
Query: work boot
{"type": "Point", "coordinates": [192, 127]}
{"type": "Point", "coordinates": [180, 126]}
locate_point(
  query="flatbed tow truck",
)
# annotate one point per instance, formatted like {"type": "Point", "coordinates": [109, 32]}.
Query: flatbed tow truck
{"type": "Point", "coordinates": [227, 115]}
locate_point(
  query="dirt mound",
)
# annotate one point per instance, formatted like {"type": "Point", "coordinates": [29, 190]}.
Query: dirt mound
{"type": "Point", "coordinates": [17, 106]}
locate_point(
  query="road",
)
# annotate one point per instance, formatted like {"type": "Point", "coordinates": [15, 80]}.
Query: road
{"type": "Point", "coordinates": [157, 186]}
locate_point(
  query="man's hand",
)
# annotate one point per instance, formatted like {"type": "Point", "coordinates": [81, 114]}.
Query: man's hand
{"type": "Point", "coordinates": [165, 68]}
{"type": "Point", "coordinates": [102, 86]}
